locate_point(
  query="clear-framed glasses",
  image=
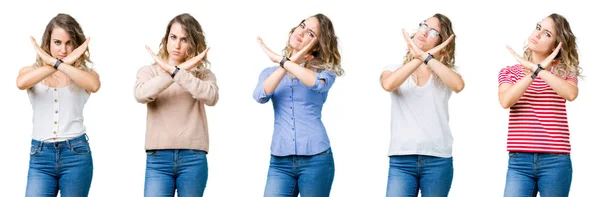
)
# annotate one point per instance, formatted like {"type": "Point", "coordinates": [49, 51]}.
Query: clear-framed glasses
{"type": "Point", "coordinates": [430, 31]}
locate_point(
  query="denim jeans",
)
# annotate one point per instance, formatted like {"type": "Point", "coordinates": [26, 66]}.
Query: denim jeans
{"type": "Point", "coordinates": [528, 173]}
{"type": "Point", "coordinates": [409, 173]}
{"type": "Point", "coordinates": [175, 169]}
{"type": "Point", "coordinates": [60, 166]}
{"type": "Point", "coordinates": [311, 176]}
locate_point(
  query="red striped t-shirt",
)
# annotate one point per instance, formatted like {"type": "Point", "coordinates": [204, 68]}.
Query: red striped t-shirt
{"type": "Point", "coordinates": [538, 121]}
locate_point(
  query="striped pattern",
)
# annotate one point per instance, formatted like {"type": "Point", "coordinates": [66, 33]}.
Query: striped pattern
{"type": "Point", "coordinates": [538, 121]}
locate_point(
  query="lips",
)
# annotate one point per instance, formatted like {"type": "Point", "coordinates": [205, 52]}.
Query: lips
{"type": "Point", "coordinates": [298, 39]}
{"type": "Point", "coordinates": [533, 41]}
{"type": "Point", "coordinates": [61, 56]}
{"type": "Point", "coordinates": [175, 53]}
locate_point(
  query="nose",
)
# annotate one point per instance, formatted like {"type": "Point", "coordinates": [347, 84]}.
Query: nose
{"type": "Point", "coordinates": [177, 44]}
{"type": "Point", "coordinates": [63, 48]}
{"type": "Point", "coordinates": [538, 34]}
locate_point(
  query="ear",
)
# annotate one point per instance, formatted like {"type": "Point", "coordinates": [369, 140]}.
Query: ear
{"type": "Point", "coordinates": [555, 62]}
{"type": "Point", "coordinates": [308, 57]}
{"type": "Point", "coordinates": [443, 53]}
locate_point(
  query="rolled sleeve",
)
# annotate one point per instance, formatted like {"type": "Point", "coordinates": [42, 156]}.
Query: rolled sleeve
{"type": "Point", "coordinates": [259, 92]}
{"type": "Point", "coordinates": [328, 77]}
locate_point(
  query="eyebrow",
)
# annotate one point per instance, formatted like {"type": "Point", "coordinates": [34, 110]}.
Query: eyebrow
{"type": "Point", "coordinates": [546, 30]}
{"type": "Point", "coordinates": [312, 31]}
{"type": "Point", "coordinates": [172, 34]}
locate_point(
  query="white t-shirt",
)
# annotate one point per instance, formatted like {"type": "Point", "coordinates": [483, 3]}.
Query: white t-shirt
{"type": "Point", "coordinates": [420, 118]}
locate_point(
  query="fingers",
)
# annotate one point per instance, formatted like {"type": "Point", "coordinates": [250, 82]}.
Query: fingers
{"type": "Point", "coordinates": [309, 46]}
{"type": "Point", "coordinates": [203, 54]}
{"type": "Point", "coordinates": [512, 52]}
{"type": "Point", "coordinates": [406, 36]}
{"type": "Point", "coordinates": [556, 50]}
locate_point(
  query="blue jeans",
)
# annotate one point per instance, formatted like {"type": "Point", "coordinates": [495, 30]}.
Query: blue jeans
{"type": "Point", "coordinates": [311, 176]}
{"type": "Point", "coordinates": [528, 173]}
{"type": "Point", "coordinates": [180, 169]}
{"type": "Point", "coordinates": [409, 173]}
{"type": "Point", "coordinates": [60, 166]}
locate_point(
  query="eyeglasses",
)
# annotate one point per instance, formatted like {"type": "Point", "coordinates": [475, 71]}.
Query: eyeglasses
{"type": "Point", "coordinates": [432, 32]}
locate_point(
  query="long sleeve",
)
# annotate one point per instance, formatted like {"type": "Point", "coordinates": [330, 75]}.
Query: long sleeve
{"type": "Point", "coordinates": [149, 84]}
{"type": "Point", "coordinates": [205, 90]}
{"type": "Point", "coordinates": [328, 77]}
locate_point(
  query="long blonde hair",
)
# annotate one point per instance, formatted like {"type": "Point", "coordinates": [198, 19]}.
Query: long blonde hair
{"type": "Point", "coordinates": [197, 41]}
{"type": "Point", "coordinates": [568, 55]}
{"type": "Point", "coordinates": [445, 32]}
{"type": "Point", "coordinates": [326, 53]}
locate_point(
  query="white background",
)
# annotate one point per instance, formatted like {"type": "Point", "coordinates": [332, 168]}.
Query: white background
{"type": "Point", "coordinates": [356, 114]}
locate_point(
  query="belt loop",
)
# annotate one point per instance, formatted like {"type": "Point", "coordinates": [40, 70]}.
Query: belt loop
{"type": "Point", "coordinates": [68, 143]}
{"type": "Point", "coordinates": [87, 138]}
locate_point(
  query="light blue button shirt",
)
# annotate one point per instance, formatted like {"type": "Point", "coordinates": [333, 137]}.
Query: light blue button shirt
{"type": "Point", "coordinates": [298, 126]}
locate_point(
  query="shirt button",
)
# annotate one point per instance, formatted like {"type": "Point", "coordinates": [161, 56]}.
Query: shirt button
{"type": "Point", "coordinates": [291, 108]}
{"type": "Point", "coordinates": [56, 100]}
{"type": "Point", "coordinates": [54, 89]}
{"type": "Point", "coordinates": [290, 96]}
{"type": "Point", "coordinates": [55, 122]}
{"type": "Point", "coordinates": [292, 118]}
{"type": "Point", "coordinates": [54, 132]}
{"type": "Point", "coordinates": [292, 129]}
{"type": "Point", "coordinates": [290, 86]}
{"type": "Point", "coordinates": [56, 112]}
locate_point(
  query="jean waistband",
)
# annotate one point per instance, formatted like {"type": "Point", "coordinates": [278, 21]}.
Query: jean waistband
{"type": "Point", "coordinates": [81, 139]}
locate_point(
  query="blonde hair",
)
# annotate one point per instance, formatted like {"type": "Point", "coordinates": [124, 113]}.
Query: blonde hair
{"type": "Point", "coordinates": [197, 41]}
{"type": "Point", "coordinates": [325, 51]}
{"type": "Point", "coordinates": [568, 55]}
{"type": "Point", "coordinates": [445, 32]}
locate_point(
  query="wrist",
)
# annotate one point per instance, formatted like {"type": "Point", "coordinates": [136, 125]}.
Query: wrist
{"type": "Point", "coordinates": [428, 57]}
{"type": "Point", "coordinates": [283, 60]}
{"type": "Point", "coordinates": [57, 63]}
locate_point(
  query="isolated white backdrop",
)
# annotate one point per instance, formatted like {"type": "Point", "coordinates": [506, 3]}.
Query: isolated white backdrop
{"type": "Point", "coordinates": [356, 114]}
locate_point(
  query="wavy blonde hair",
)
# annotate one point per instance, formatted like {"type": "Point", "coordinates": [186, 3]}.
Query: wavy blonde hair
{"type": "Point", "coordinates": [71, 26]}
{"type": "Point", "coordinates": [326, 53]}
{"type": "Point", "coordinates": [197, 41]}
{"type": "Point", "coordinates": [568, 55]}
{"type": "Point", "coordinates": [445, 32]}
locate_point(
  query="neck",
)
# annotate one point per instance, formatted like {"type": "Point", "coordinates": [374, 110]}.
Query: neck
{"type": "Point", "coordinates": [174, 62]}
{"type": "Point", "coordinates": [537, 58]}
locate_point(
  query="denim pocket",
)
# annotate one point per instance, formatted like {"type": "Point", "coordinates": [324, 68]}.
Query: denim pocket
{"type": "Point", "coordinates": [151, 152]}
{"type": "Point", "coordinates": [326, 152]}
{"type": "Point", "coordinates": [198, 152]}
{"type": "Point", "coordinates": [35, 150]}
{"type": "Point", "coordinates": [80, 148]}
{"type": "Point", "coordinates": [512, 154]}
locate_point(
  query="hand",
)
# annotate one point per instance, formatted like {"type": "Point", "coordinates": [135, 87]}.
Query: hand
{"type": "Point", "coordinates": [303, 54]}
{"type": "Point", "coordinates": [546, 63]}
{"type": "Point", "coordinates": [193, 62]}
{"type": "Point", "coordinates": [75, 54]}
{"type": "Point", "coordinates": [416, 52]}
{"type": "Point", "coordinates": [49, 60]}
{"type": "Point", "coordinates": [162, 63]}
{"type": "Point", "coordinates": [272, 55]}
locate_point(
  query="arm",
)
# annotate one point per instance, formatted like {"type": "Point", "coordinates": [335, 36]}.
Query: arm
{"type": "Point", "coordinates": [565, 88]}
{"type": "Point", "coordinates": [509, 94]}
{"type": "Point", "coordinates": [88, 80]}
{"type": "Point", "coordinates": [148, 85]}
{"type": "Point", "coordinates": [267, 83]}
{"type": "Point", "coordinates": [29, 76]}
{"type": "Point", "coordinates": [392, 80]}
{"type": "Point", "coordinates": [447, 75]}
{"type": "Point", "coordinates": [205, 90]}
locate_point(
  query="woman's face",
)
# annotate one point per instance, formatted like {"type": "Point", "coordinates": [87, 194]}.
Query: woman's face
{"type": "Point", "coordinates": [177, 43]}
{"type": "Point", "coordinates": [428, 35]}
{"type": "Point", "coordinates": [543, 39]}
{"type": "Point", "coordinates": [304, 33]}
{"type": "Point", "coordinates": [61, 44]}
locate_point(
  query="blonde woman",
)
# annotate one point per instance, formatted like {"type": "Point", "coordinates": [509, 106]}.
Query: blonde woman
{"type": "Point", "coordinates": [536, 91]}
{"type": "Point", "coordinates": [301, 157]}
{"type": "Point", "coordinates": [59, 84]}
{"type": "Point", "coordinates": [176, 89]}
{"type": "Point", "coordinates": [421, 142]}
